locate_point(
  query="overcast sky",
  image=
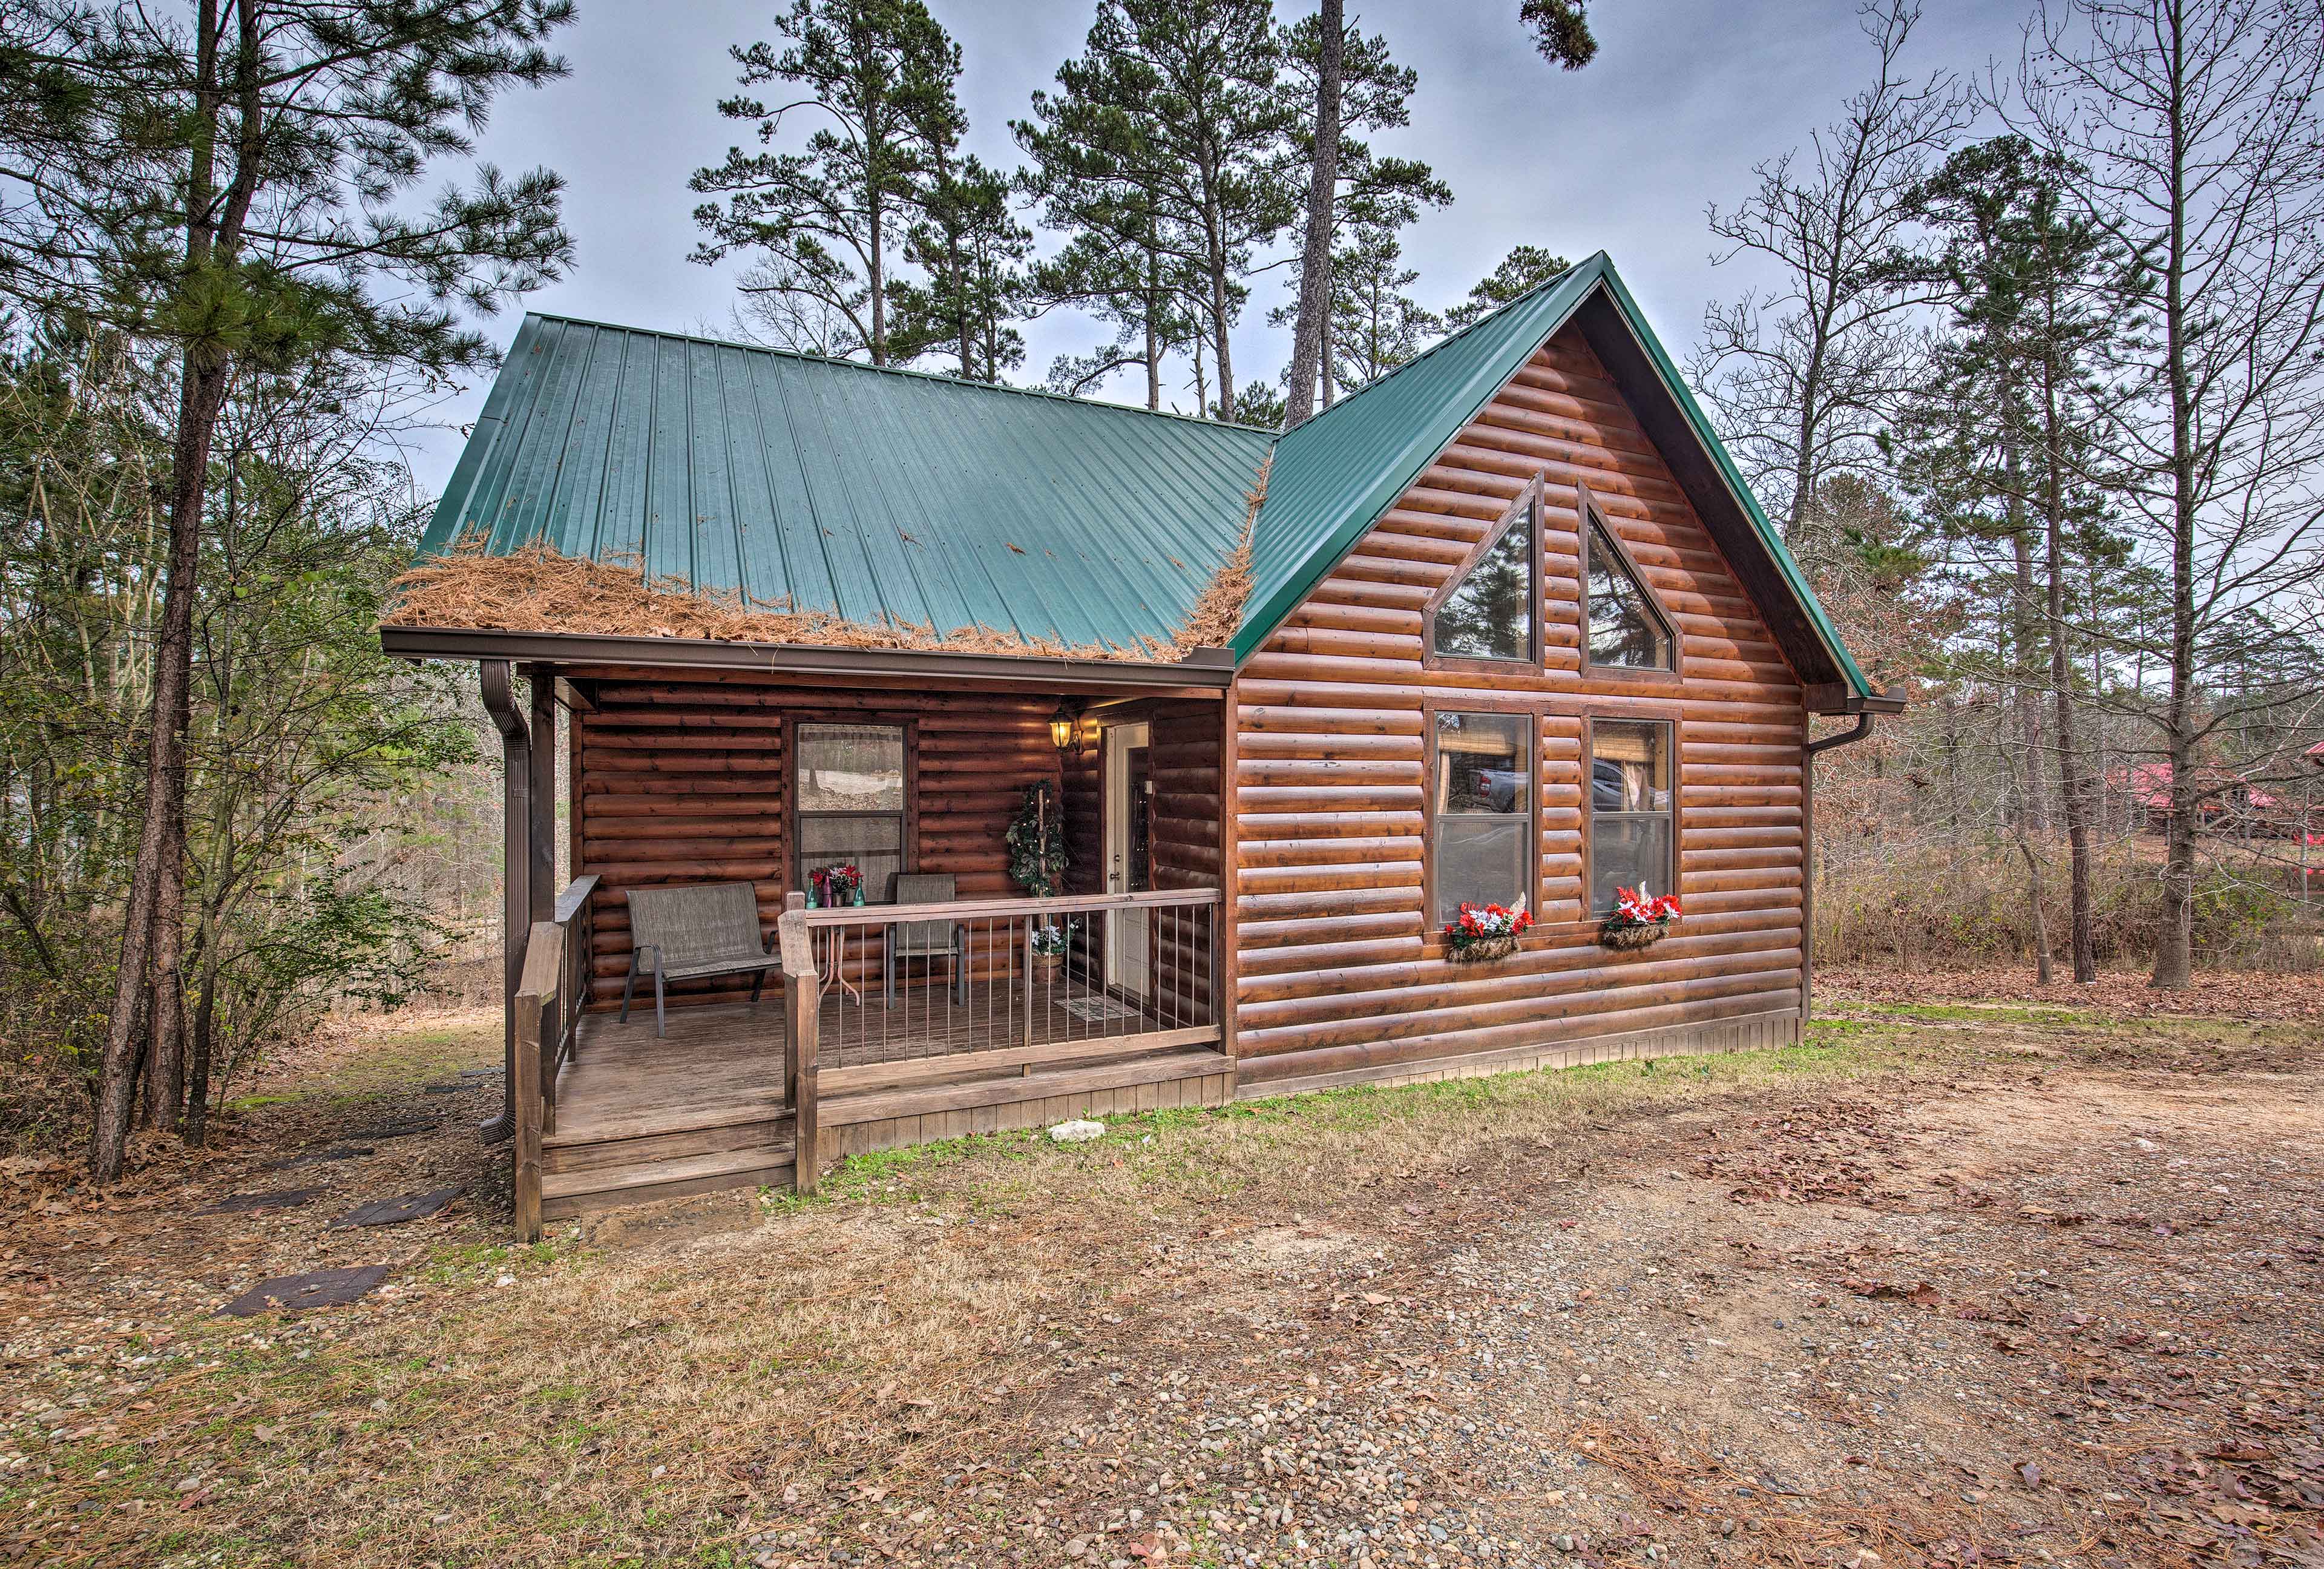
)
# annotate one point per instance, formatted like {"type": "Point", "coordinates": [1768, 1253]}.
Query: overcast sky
{"type": "Point", "coordinates": [1624, 156]}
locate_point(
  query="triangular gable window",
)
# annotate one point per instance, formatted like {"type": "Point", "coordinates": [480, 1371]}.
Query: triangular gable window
{"type": "Point", "coordinates": [1624, 626]}
{"type": "Point", "coordinates": [1491, 610]}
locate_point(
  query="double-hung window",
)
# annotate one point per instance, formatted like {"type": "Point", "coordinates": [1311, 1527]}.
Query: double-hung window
{"type": "Point", "coordinates": [1633, 821]}
{"type": "Point", "coordinates": [1483, 849]}
{"type": "Point", "coordinates": [849, 805]}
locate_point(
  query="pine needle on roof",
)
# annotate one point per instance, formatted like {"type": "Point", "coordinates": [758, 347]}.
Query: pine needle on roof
{"type": "Point", "coordinates": [537, 589]}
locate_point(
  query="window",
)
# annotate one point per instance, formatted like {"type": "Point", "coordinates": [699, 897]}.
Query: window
{"type": "Point", "coordinates": [1631, 810]}
{"type": "Point", "coordinates": [1491, 611]}
{"type": "Point", "coordinates": [1482, 790]}
{"type": "Point", "coordinates": [1625, 627]}
{"type": "Point", "coordinates": [849, 805]}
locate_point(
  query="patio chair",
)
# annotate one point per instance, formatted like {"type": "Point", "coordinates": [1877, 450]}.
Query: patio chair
{"type": "Point", "coordinates": [925, 939]}
{"type": "Point", "coordinates": [683, 934]}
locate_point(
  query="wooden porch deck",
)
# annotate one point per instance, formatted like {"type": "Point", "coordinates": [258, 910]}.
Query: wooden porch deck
{"type": "Point", "coordinates": [639, 1117]}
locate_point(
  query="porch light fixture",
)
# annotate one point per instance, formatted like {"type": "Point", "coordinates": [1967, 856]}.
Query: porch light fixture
{"type": "Point", "coordinates": [1066, 727]}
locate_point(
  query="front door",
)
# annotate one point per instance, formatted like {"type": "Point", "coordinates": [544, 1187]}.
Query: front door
{"type": "Point", "coordinates": [1129, 854]}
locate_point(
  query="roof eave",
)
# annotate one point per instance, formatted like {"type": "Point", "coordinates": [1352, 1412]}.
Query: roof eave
{"type": "Point", "coordinates": [1204, 669]}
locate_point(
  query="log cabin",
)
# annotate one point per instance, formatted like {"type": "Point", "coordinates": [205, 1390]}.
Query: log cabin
{"type": "Point", "coordinates": [1505, 626]}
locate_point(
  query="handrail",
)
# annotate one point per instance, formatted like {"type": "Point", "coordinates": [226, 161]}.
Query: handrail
{"type": "Point", "coordinates": [536, 993]}
{"type": "Point", "coordinates": [576, 894]}
{"type": "Point", "coordinates": [551, 994]}
{"type": "Point", "coordinates": [967, 909]}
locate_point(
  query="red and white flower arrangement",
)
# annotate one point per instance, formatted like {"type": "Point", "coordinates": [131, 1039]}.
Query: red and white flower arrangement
{"type": "Point", "coordinates": [1639, 917]}
{"type": "Point", "coordinates": [1485, 931]}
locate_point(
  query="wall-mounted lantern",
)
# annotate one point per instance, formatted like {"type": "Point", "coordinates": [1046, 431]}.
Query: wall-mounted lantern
{"type": "Point", "coordinates": [1066, 727]}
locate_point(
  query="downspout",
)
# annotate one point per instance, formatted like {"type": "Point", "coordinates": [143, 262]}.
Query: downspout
{"type": "Point", "coordinates": [498, 681]}
{"type": "Point", "coordinates": [1807, 848]}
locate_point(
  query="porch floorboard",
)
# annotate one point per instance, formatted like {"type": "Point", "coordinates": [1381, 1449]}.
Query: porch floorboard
{"type": "Point", "coordinates": [721, 1063]}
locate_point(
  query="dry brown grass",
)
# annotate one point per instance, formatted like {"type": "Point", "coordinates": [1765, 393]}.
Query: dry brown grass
{"type": "Point", "coordinates": [618, 1403]}
{"type": "Point", "coordinates": [537, 589]}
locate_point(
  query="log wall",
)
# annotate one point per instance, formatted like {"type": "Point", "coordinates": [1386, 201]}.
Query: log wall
{"type": "Point", "coordinates": [1339, 970]}
{"type": "Point", "coordinates": [686, 781]}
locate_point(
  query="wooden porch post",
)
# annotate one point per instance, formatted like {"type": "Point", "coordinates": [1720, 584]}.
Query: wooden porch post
{"type": "Point", "coordinates": [802, 1019]}
{"type": "Point", "coordinates": [516, 870]}
{"type": "Point", "coordinates": [540, 825]}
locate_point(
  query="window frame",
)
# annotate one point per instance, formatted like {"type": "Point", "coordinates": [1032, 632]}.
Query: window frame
{"type": "Point", "coordinates": [1525, 509]}
{"type": "Point", "coordinates": [1531, 712]}
{"type": "Point", "coordinates": [1591, 716]}
{"type": "Point", "coordinates": [1594, 522]}
{"type": "Point", "coordinates": [797, 720]}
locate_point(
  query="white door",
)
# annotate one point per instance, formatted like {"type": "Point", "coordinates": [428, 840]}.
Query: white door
{"type": "Point", "coordinates": [1128, 810]}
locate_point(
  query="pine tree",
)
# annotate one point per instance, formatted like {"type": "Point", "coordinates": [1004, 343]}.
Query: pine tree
{"type": "Point", "coordinates": [1366, 190]}
{"type": "Point", "coordinates": [222, 184]}
{"type": "Point", "coordinates": [974, 251]}
{"type": "Point", "coordinates": [1170, 131]}
{"type": "Point", "coordinates": [1524, 268]}
{"type": "Point", "coordinates": [2001, 441]}
{"type": "Point", "coordinates": [825, 223]}
{"type": "Point", "coordinates": [1376, 324]}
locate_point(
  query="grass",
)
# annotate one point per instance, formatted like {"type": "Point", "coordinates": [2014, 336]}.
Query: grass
{"type": "Point", "coordinates": [598, 1408]}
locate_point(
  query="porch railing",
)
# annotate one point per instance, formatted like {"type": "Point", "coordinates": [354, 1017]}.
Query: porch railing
{"type": "Point", "coordinates": [983, 985]}
{"type": "Point", "coordinates": [551, 995]}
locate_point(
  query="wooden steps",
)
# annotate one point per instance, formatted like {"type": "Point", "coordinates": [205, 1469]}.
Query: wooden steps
{"type": "Point", "coordinates": [565, 1194]}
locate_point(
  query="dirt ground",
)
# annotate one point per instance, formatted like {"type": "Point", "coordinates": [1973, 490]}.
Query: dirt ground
{"type": "Point", "coordinates": [1971, 1282]}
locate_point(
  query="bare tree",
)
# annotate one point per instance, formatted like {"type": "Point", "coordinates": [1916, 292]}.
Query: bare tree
{"type": "Point", "coordinates": [2196, 123]}
{"type": "Point", "coordinates": [1805, 373]}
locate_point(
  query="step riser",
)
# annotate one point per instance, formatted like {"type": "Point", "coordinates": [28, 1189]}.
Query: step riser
{"type": "Point", "coordinates": [678, 1146]}
{"type": "Point", "coordinates": [564, 1206]}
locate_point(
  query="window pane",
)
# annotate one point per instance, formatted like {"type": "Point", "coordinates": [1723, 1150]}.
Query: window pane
{"type": "Point", "coordinates": [1489, 615]}
{"type": "Point", "coordinates": [1484, 809]}
{"type": "Point", "coordinates": [872, 843]}
{"type": "Point", "coordinates": [1624, 629]}
{"type": "Point", "coordinates": [1483, 763]}
{"type": "Point", "coordinates": [1625, 852]}
{"type": "Point", "coordinates": [1630, 809]}
{"type": "Point", "coordinates": [1630, 765]}
{"type": "Point", "coordinates": [851, 768]}
{"type": "Point", "coordinates": [1479, 861]}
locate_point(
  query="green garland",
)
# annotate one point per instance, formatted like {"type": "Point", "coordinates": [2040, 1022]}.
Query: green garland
{"type": "Point", "coordinates": [1037, 843]}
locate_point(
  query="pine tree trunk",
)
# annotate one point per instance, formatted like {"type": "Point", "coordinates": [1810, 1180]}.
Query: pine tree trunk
{"type": "Point", "coordinates": [165, 1074]}
{"type": "Point", "coordinates": [1323, 185]}
{"type": "Point", "coordinates": [202, 391]}
{"type": "Point", "coordinates": [2073, 789]}
{"type": "Point", "coordinates": [198, 1055]}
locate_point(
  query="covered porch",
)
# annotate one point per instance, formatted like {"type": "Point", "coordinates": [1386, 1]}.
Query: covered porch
{"type": "Point", "coordinates": [970, 1008]}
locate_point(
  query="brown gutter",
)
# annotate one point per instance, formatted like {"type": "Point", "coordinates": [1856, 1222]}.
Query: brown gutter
{"type": "Point", "coordinates": [1209, 669]}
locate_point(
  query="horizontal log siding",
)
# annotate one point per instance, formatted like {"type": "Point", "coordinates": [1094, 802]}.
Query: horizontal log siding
{"type": "Point", "coordinates": [685, 782]}
{"type": "Point", "coordinates": [1338, 969]}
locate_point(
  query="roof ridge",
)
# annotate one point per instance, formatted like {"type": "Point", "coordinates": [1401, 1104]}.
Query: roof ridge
{"type": "Point", "coordinates": [1449, 339]}
{"type": "Point", "coordinates": [942, 377]}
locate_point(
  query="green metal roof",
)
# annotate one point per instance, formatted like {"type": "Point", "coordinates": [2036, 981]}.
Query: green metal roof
{"type": "Point", "coordinates": [875, 494]}
{"type": "Point", "coordinates": [881, 495]}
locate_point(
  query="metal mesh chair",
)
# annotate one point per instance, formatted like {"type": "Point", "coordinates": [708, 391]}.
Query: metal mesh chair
{"type": "Point", "coordinates": [925, 939]}
{"type": "Point", "coordinates": [709, 929]}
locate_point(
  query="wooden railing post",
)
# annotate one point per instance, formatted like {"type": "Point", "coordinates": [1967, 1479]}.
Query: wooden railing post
{"type": "Point", "coordinates": [536, 994]}
{"type": "Point", "coordinates": [802, 1019]}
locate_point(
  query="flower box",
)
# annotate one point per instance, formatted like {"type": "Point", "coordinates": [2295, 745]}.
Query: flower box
{"type": "Point", "coordinates": [1627, 938]}
{"type": "Point", "coordinates": [1639, 920]}
{"type": "Point", "coordinates": [1488, 931]}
